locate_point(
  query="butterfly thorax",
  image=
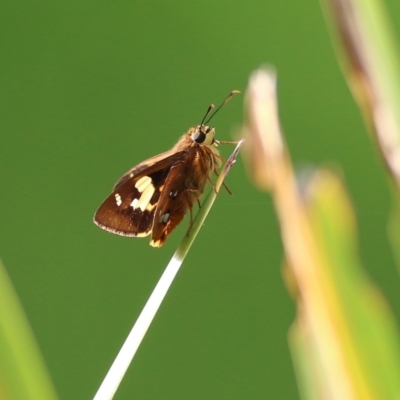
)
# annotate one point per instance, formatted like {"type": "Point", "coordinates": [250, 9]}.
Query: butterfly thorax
{"type": "Point", "coordinates": [200, 144]}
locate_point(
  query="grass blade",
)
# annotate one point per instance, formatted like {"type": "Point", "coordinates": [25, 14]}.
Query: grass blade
{"type": "Point", "coordinates": [22, 369]}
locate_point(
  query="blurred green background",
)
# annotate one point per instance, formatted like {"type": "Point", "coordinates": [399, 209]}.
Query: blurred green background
{"type": "Point", "coordinates": [88, 90]}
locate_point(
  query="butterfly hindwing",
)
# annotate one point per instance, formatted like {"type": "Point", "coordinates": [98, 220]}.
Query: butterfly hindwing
{"type": "Point", "coordinates": [172, 206]}
{"type": "Point", "coordinates": [183, 187]}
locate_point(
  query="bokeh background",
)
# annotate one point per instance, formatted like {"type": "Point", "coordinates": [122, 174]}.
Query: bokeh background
{"type": "Point", "coordinates": [88, 90]}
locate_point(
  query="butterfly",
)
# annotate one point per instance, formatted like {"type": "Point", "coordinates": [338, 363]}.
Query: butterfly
{"type": "Point", "coordinates": [153, 197]}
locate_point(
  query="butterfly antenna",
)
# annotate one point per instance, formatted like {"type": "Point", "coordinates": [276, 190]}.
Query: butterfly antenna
{"type": "Point", "coordinates": [223, 103]}
{"type": "Point", "coordinates": [210, 107]}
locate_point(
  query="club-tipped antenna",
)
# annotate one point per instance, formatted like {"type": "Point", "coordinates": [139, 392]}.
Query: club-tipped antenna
{"type": "Point", "coordinates": [223, 103]}
{"type": "Point", "coordinates": [210, 107]}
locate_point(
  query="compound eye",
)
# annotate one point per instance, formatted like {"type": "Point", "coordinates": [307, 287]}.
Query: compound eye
{"type": "Point", "coordinates": [199, 136]}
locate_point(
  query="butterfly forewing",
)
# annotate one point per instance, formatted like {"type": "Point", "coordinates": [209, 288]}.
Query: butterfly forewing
{"type": "Point", "coordinates": [130, 209]}
{"type": "Point", "coordinates": [153, 164]}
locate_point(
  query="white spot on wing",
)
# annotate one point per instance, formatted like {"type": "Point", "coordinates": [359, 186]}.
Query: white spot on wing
{"type": "Point", "coordinates": [134, 203]}
{"type": "Point", "coordinates": [118, 199]}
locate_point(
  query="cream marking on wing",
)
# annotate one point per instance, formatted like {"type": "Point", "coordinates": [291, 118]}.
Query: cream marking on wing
{"type": "Point", "coordinates": [145, 197]}
{"type": "Point", "coordinates": [118, 199]}
{"type": "Point", "coordinates": [150, 206]}
{"type": "Point", "coordinates": [134, 203]}
{"type": "Point", "coordinates": [143, 183]}
{"type": "Point", "coordinates": [144, 234]}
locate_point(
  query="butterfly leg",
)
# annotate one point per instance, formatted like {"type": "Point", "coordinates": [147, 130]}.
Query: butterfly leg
{"type": "Point", "coordinates": [191, 222]}
{"type": "Point", "coordinates": [228, 142]}
{"type": "Point", "coordinates": [225, 186]}
{"type": "Point", "coordinates": [190, 196]}
{"type": "Point", "coordinates": [221, 158]}
{"type": "Point", "coordinates": [191, 215]}
{"type": "Point", "coordinates": [212, 184]}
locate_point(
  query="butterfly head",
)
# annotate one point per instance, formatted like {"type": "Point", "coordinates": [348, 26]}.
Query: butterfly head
{"type": "Point", "coordinates": [204, 135]}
